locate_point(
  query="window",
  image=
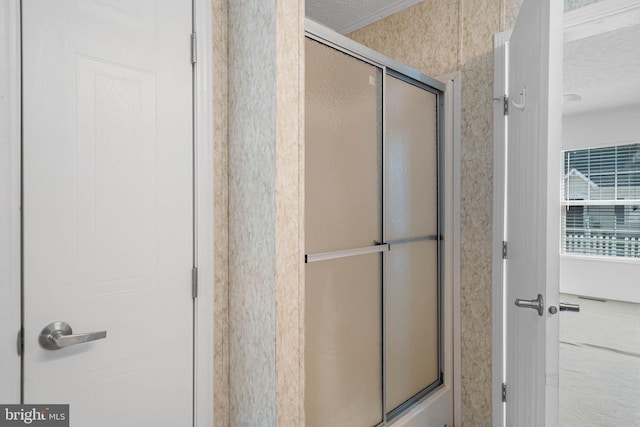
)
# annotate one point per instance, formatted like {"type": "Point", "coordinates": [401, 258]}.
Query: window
{"type": "Point", "coordinates": [601, 200]}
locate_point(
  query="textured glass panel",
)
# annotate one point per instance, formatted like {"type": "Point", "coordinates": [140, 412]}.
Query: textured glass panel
{"type": "Point", "coordinates": [342, 150]}
{"type": "Point", "coordinates": [411, 269]}
{"type": "Point", "coordinates": [410, 162]}
{"type": "Point", "coordinates": [411, 320]}
{"type": "Point", "coordinates": [343, 342]}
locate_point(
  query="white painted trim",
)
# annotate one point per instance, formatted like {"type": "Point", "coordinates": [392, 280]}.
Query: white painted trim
{"type": "Point", "coordinates": [10, 143]}
{"type": "Point", "coordinates": [453, 128]}
{"type": "Point", "coordinates": [600, 17]}
{"type": "Point", "coordinates": [500, 52]}
{"type": "Point", "coordinates": [204, 111]}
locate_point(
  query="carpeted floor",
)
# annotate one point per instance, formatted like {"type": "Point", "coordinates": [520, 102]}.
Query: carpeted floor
{"type": "Point", "coordinates": [600, 364]}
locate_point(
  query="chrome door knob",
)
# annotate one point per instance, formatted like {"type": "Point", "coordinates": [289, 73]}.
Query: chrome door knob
{"type": "Point", "coordinates": [57, 335]}
{"type": "Point", "coordinates": [536, 304]}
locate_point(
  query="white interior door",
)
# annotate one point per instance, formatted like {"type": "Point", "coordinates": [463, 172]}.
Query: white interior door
{"type": "Point", "coordinates": [108, 208]}
{"type": "Point", "coordinates": [532, 215]}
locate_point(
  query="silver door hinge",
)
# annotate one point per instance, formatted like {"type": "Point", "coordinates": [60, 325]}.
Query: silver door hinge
{"type": "Point", "coordinates": [194, 48]}
{"type": "Point", "coordinates": [20, 342]}
{"type": "Point", "coordinates": [504, 250]}
{"type": "Point", "coordinates": [504, 392]}
{"type": "Point", "coordinates": [505, 105]}
{"type": "Point", "coordinates": [194, 282]}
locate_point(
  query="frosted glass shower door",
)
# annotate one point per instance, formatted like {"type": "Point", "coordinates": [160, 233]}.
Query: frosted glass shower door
{"type": "Point", "coordinates": [411, 339]}
{"type": "Point", "coordinates": [372, 241]}
{"type": "Point", "coordinates": [343, 316]}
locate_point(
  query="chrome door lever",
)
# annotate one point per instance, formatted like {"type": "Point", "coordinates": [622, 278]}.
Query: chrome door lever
{"type": "Point", "coordinates": [567, 306]}
{"type": "Point", "coordinates": [57, 335]}
{"type": "Point", "coordinates": [536, 304]}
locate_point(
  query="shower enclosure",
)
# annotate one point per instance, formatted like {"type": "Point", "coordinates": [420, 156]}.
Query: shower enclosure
{"type": "Point", "coordinates": [373, 239]}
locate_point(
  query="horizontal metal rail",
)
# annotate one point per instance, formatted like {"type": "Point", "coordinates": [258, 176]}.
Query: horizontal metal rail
{"type": "Point", "coordinates": [323, 256]}
{"type": "Point", "coordinates": [414, 239]}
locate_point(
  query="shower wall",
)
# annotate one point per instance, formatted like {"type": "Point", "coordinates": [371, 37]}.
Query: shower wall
{"type": "Point", "coordinates": [434, 37]}
{"type": "Point", "coordinates": [438, 37]}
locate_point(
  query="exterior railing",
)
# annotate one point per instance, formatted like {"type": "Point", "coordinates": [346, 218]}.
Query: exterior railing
{"type": "Point", "coordinates": [627, 247]}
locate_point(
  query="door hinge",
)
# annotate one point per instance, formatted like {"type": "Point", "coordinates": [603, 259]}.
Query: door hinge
{"type": "Point", "coordinates": [20, 342]}
{"type": "Point", "coordinates": [504, 250]}
{"type": "Point", "coordinates": [504, 392]}
{"type": "Point", "coordinates": [505, 105]}
{"type": "Point", "coordinates": [194, 48]}
{"type": "Point", "coordinates": [194, 282]}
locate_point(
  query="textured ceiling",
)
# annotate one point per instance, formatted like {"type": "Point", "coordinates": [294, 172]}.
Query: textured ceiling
{"type": "Point", "coordinates": [604, 70]}
{"type": "Point", "coordinates": [345, 16]}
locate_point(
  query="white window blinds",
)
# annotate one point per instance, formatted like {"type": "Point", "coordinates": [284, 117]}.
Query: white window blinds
{"type": "Point", "coordinates": [601, 201]}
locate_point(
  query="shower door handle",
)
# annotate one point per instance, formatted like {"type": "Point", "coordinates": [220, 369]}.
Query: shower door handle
{"type": "Point", "coordinates": [323, 256]}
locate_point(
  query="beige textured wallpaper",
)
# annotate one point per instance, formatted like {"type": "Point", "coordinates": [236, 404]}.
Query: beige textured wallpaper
{"type": "Point", "coordinates": [252, 129]}
{"type": "Point", "coordinates": [289, 225]}
{"type": "Point", "coordinates": [259, 169]}
{"type": "Point", "coordinates": [425, 36]}
{"type": "Point", "coordinates": [265, 110]}
{"type": "Point", "coordinates": [221, 216]}
{"type": "Point", "coordinates": [437, 37]}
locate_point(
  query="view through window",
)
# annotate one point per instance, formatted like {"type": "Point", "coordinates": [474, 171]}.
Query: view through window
{"type": "Point", "coordinates": [601, 200]}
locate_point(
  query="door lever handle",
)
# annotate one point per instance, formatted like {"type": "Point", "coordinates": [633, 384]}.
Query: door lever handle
{"type": "Point", "coordinates": [536, 304]}
{"type": "Point", "coordinates": [567, 306]}
{"type": "Point", "coordinates": [57, 335]}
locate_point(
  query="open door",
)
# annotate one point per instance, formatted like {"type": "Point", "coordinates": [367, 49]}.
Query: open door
{"type": "Point", "coordinates": [532, 214]}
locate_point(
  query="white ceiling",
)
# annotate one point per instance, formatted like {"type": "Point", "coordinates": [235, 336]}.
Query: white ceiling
{"type": "Point", "coordinates": [345, 16]}
{"type": "Point", "coordinates": [604, 70]}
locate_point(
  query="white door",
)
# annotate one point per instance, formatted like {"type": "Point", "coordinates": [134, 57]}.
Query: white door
{"type": "Point", "coordinates": [533, 211]}
{"type": "Point", "coordinates": [108, 208]}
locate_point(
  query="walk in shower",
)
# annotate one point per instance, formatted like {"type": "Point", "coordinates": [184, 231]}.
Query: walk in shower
{"type": "Point", "coordinates": [373, 239]}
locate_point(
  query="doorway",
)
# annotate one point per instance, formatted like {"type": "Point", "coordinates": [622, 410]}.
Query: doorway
{"type": "Point", "coordinates": [120, 119]}
{"type": "Point", "coordinates": [599, 264]}
{"type": "Point", "coordinates": [578, 211]}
